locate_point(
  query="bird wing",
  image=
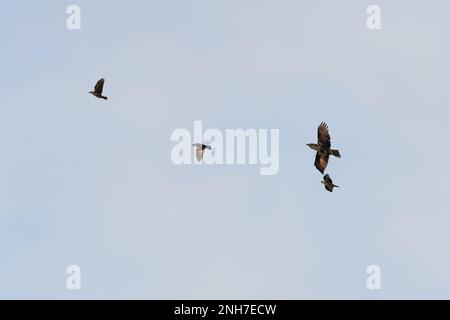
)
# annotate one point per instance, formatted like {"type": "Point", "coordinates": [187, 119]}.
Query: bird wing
{"type": "Point", "coordinates": [208, 147]}
{"type": "Point", "coordinates": [327, 178]}
{"type": "Point", "coordinates": [323, 135]}
{"type": "Point", "coordinates": [199, 154]}
{"type": "Point", "coordinates": [99, 86]}
{"type": "Point", "coordinates": [329, 188]}
{"type": "Point", "coordinates": [321, 162]}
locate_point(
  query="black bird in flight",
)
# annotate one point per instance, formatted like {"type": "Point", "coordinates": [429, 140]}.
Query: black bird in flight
{"type": "Point", "coordinates": [200, 150]}
{"type": "Point", "coordinates": [98, 90]}
{"type": "Point", "coordinates": [323, 148]}
{"type": "Point", "coordinates": [328, 183]}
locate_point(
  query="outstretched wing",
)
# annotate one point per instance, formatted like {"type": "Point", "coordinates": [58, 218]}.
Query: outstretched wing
{"type": "Point", "coordinates": [323, 135]}
{"type": "Point", "coordinates": [99, 86]}
{"type": "Point", "coordinates": [321, 162]}
{"type": "Point", "coordinates": [199, 154]}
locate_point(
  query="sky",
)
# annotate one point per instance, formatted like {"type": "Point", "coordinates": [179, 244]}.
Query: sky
{"type": "Point", "coordinates": [91, 183]}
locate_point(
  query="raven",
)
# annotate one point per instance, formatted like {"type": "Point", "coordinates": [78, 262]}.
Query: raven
{"type": "Point", "coordinates": [98, 90]}
{"type": "Point", "coordinates": [323, 148]}
{"type": "Point", "coordinates": [328, 183]}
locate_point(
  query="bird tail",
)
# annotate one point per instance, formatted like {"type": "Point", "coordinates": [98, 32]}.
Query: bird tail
{"type": "Point", "coordinates": [103, 97]}
{"type": "Point", "coordinates": [335, 186]}
{"type": "Point", "coordinates": [335, 153]}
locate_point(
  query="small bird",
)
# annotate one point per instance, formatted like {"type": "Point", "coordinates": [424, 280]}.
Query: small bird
{"type": "Point", "coordinates": [328, 183]}
{"type": "Point", "coordinates": [98, 90]}
{"type": "Point", "coordinates": [323, 148]}
{"type": "Point", "coordinates": [200, 150]}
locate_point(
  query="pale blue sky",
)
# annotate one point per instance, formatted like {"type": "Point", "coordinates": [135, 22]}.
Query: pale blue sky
{"type": "Point", "coordinates": [91, 183]}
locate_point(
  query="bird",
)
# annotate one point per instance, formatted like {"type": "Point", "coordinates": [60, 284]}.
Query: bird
{"type": "Point", "coordinates": [323, 148]}
{"type": "Point", "coordinates": [328, 183]}
{"type": "Point", "coordinates": [200, 150]}
{"type": "Point", "coordinates": [98, 90]}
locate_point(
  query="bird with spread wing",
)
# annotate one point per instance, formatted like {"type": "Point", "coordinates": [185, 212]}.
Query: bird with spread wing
{"type": "Point", "coordinates": [329, 185]}
{"type": "Point", "coordinates": [200, 150]}
{"type": "Point", "coordinates": [323, 148]}
{"type": "Point", "coordinates": [98, 90]}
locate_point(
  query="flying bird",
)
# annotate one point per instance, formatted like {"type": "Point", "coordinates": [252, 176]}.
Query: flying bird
{"type": "Point", "coordinates": [323, 148]}
{"type": "Point", "coordinates": [98, 90]}
{"type": "Point", "coordinates": [328, 183]}
{"type": "Point", "coordinates": [200, 150]}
